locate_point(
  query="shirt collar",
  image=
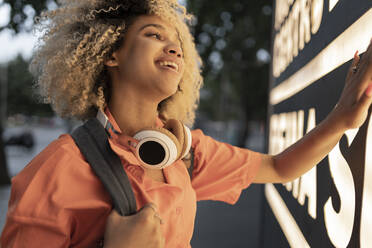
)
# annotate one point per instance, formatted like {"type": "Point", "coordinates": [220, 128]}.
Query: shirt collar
{"type": "Point", "coordinates": [120, 150]}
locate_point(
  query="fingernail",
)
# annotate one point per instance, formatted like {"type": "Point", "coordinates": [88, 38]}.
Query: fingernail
{"type": "Point", "coordinates": [369, 90]}
{"type": "Point", "coordinates": [133, 143]}
{"type": "Point", "coordinates": [356, 54]}
{"type": "Point", "coordinates": [152, 206]}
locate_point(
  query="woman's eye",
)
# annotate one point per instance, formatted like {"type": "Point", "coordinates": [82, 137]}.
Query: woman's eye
{"type": "Point", "coordinates": [156, 35]}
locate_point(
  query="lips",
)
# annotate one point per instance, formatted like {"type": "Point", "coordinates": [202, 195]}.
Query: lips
{"type": "Point", "coordinates": [168, 64]}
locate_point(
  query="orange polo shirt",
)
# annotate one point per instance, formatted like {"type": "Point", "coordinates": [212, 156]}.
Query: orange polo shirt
{"type": "Point", "coordinates": [57, 201]}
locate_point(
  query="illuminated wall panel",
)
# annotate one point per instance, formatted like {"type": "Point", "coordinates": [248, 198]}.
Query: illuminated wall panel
{"type": "Point", "coordinates": [330, 206]}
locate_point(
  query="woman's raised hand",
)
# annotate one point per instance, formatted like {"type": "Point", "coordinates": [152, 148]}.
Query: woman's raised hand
{"type": "Point", "coordinates": [140, 230]}
{"type": "Point", "coordinates": [352, 108]}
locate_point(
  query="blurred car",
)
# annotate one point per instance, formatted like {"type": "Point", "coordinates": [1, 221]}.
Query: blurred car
{"type": "Point", "coordinates": [24, 139]}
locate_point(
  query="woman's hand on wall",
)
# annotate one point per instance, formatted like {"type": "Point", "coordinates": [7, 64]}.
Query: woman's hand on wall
{"type": "Point", "coordinates": [350, 112]}
{"type": "Point", "coordinates": [140, 230]}
{"type": "Point", "coordinates": [352, 108]}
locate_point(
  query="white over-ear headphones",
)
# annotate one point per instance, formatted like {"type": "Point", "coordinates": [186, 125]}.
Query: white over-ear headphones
{"type": "Point", "coordinates": [158, 147]}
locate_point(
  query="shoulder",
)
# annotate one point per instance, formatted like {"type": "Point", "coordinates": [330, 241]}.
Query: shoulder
{"type": "Point", "coordinates": [57, 192]}
{"type": "Point", "coordinates": [57, 177]}
{"type": "Point", "coordinates": [197, 137]}
{"type": "Point", "coordinates": [63, 146]}
{"type": "Point", "coordinates": [58, 152]}
{"type": "Point", "coordinates": [202, 143]}
{"type": "Point", "coordinates": [54, 165]}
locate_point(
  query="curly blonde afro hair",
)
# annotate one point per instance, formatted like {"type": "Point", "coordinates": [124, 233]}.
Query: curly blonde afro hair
{"type": "Point", "coordinates": [80, 35]}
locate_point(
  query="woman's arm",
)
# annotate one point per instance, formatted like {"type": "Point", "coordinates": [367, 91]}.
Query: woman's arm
{"type": "Point", "coordinates": [350, 112]}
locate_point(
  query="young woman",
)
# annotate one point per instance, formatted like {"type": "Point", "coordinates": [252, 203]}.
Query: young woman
{"type": "Point", "coordinates": [136, 62]}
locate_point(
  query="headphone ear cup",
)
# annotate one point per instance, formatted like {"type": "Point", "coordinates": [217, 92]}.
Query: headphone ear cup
{"type": "Point", "coordinates": [157, 148]}
{"type": "Point", "coordinates": [182, 134]}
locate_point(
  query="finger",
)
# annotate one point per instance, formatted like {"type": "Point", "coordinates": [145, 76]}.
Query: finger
{"type": "Point", "coordinates": [150, 210]}
{"type": "Point", "coordinates": [354, 64]}
{"type": "Point", "coordinates": [363, 77]}
{"type": "Point", "coordinates": [159, 218]}
{"type": "Point", "coordinates": [147, 211]}
{"type": "Point", "coordinates": [366, 99]}
{"type": "Point", "coordinates": [369, 48]}
{"type": "Point", "coordinates": [114, 215]}
{"type": "Point", "coordinates": [367, 54]}
{"type": "Point", "coordinates": [370, 44]}
{"type": "Point", "coordinates": [151, 206]}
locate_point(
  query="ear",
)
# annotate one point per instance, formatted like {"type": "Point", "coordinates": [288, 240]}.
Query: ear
{"type": "Point", "coordinates": [112, 61]}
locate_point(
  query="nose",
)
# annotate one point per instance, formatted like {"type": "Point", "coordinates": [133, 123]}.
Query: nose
{"type": "Point", "coordinates": [174, 50]}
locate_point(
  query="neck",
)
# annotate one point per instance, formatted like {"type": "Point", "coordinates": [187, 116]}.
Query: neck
{"type": "Point", "coordinates": [133, 113]}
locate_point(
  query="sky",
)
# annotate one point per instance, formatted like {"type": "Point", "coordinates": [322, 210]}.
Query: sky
{"type": "Point", "coordinates": [11, 45]}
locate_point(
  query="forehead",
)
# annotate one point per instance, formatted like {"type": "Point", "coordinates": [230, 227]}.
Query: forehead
{"type": "Point", "coordinates": [147, 20]}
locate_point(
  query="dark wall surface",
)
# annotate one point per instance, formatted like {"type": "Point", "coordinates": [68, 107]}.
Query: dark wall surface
{"type": "Point", "coordinates": [346, 196]}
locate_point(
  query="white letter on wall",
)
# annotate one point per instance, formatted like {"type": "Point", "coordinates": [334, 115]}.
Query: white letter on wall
{"type": "Point", "coordinates": [316, 15]}
{"type": "Point", "coordinates": [340, 225]}
{"type": "Point", "coordinates": [332, 4]}
{"type": "Point", "coordinates": [304, 30]}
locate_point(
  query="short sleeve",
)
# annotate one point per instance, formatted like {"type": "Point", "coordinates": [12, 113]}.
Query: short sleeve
{"type": "Point", "coordinates": [56, 201]}
{"type": "Point", "coordinates": [221, 171]}
{"type": "Point", "coordinates": [23, 231]}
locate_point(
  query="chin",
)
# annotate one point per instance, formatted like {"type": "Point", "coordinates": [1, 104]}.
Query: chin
{"type": "Point", "coordinates": [164, 88]}
{"type": "Point", "coordinates": [171, 93]}
{"type": "Point", "coordinates": [168, 88]}
{"type": "Point", "coordinates": [167, 94]}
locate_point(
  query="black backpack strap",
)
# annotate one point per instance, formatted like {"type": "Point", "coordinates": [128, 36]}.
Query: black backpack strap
{"type": "Point", "coordinates": [92, 140]}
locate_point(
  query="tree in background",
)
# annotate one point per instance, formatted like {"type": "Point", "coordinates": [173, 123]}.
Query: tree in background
{"type": "Point", "coordinates": [22, 98]}
{"type": "Point", "coordinates": [233, 38]}
{"type": "Point", "coordinates": [22, 13]}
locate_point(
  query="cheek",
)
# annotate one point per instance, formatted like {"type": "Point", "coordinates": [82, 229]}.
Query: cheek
{"type": "Point", "coordinates": [130, 63]}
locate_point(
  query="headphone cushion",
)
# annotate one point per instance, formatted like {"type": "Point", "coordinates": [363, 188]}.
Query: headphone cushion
{"type": "Point", "coordinates": [188, 141]}
{"type": "Point", "coordinates": [182, 134]}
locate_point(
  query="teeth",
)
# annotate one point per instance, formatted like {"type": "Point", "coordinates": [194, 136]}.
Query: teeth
{"type": "Point", "coordinates": [169, 63]}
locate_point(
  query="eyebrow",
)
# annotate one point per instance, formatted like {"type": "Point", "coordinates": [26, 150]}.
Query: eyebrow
{"type": "Point", "coordinates": [152, 25]}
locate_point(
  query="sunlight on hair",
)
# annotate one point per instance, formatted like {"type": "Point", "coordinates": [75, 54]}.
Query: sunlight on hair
{"type": "Point", "coordinates": [79, 35]}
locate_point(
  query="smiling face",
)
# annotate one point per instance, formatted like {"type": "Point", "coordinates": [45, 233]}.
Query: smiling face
{"type": "Point", "coordinates": [149, 61]}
